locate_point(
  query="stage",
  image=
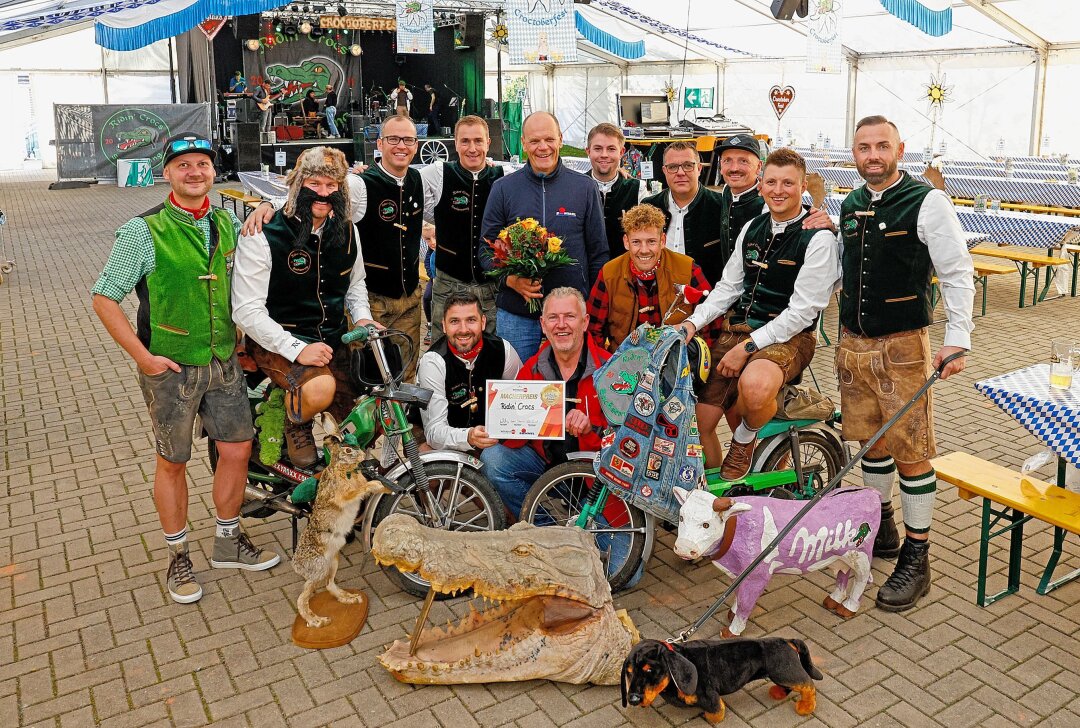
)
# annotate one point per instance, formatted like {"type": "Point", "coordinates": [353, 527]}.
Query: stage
{"type": "Point", "coordinates": [429, 150]}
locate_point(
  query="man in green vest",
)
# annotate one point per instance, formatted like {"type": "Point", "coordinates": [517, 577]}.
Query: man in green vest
{"type": "Point", "coordinates": [294, 283]}
{"type": "Point", "coordinates": [895, 233]}
{"type": "Point", "coordinates": [777, 282]}
{"type": "Point", "coordinates": [178, 259]}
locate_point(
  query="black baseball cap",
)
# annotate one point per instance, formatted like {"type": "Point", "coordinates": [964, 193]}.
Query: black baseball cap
{"type": "Point", "coordinates": [188, 142]}
{"type": "Point", "coordinates": [744, 142]}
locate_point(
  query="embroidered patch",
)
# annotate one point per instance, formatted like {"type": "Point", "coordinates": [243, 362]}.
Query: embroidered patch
{"type": "Point", "coordinates": [607, 473]}
{"type": "Point", "coordinates": [459, 201]}
{"type": "Point", "coordinates": [644, 404]}
{"type": "Point", "coordinates": [647, 380]}
{"type": "Point", "coordinates": [299, 262]}
{"type": "Point", "coordinates": [629, 447]}
{"type": "Point", "coordinates": [608, 438]}
{"type": "Point", "coordinates": [664, 447]}
{"type": "Point", "coordinates": [751, 254]}
{"type": "Point", "coordinates": [654, 462]}
{"type": "Point", "coordinates": [646, 490]}
{"type": "Point", "coordinates": [652, 335]}
{"type": "Point", "coordinates": [667, 425]}
{"type": "Point", "coordinates": [673, 408]}
{"type": "Point", "coordinates": [563, 212]}
{"type": "Point", "coordinates": [693, 424]}
{"type": "Point", "coordinates": [622, 466]}
{"type": "Point", "coordinates": [686, 474]}
{"type": "Point", "coordinates": [387, 210]}
{"type": "Point", "coordinates": [638, 425]}
{"type": "Point", "coordinates": [693, 451]}
{"type": "Point", "coordinates": [625, 383]}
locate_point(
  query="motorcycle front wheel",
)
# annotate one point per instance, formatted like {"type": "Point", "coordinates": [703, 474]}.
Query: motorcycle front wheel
{"type": "Point", "coordinates": [466, 497]}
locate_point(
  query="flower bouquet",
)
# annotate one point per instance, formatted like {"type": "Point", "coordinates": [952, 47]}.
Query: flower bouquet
{"type": "Point", "coordinates": [527, 250]}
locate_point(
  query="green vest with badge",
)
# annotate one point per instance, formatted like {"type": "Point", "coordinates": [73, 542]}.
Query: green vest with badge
{"type": "Point", "coordinates": [771, 263]}
{"type": "Point", "coordinates": [185, 311]}
{"type": "Point", "coordinates": [886, 267]}
{"type": "Point", "coordinates": [390, 232]}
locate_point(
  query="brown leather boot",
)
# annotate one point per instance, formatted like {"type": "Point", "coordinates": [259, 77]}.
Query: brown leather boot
{"type": "Point", "coordinates": [300, 444]}
{"type": "Point", "coordinates": [737, 461]}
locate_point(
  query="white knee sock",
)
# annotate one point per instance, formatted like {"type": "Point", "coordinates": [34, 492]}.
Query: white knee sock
{"type": "Point", "coordinates": [880, 475]}
{"type": "Point", "coordinates": [917, 495]}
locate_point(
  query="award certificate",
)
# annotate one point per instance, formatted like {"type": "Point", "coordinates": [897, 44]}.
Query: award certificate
{"type": "Point", "coordinates": [526, 410]}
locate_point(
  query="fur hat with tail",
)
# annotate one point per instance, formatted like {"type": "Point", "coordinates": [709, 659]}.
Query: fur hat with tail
{"type": "Point", "coordinates": [318, 162]}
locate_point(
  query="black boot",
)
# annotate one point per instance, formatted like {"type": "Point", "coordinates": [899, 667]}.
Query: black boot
{"type": "Point", "coordinates": [887, 540]}
{"type": "Point", "coordinates": [910, 579]}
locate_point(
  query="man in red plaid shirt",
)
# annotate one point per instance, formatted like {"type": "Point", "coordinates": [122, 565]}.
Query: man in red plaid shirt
{"type": "Point", "coordinates": [638, 286]}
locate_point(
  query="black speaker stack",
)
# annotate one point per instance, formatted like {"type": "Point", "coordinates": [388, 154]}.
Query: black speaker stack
{"type": "Point", "coordinates": [246, 141]}
{"type": "Point", "coordinates": [246, 27]}
{"type": "Point", "coordinates": [495, 130]}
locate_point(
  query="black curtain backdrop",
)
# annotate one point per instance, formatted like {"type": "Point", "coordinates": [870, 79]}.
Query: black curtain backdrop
{"type": "Point", "coordinates": [380, 65]}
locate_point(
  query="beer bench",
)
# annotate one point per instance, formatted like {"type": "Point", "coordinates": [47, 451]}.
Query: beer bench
{"type": "Point", "coordinates": [983, 271]}
{"type": "Point", "coordinates": [1012, 499]}
{"type": "Point", "coordinates": [1029, 264]}
{"type": "Point", "coordinates": [236, 196]}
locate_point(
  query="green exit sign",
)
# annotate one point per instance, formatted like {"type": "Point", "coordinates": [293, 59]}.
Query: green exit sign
{"type": "Point", "coordinates": [698, 98]}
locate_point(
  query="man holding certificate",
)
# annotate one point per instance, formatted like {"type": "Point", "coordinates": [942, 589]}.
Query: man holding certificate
{"type": "Point", "coordinates": [567, 355]}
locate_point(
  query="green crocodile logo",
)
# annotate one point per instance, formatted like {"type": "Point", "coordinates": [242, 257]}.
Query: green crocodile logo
{"type": "Point", "coordinates": [293, 82]}
{"type": "Point", "coordinates": [861, 534]}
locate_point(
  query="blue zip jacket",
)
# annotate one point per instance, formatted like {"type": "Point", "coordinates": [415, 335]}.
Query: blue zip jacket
{"type": "Point", "coordinates": [565, 202]}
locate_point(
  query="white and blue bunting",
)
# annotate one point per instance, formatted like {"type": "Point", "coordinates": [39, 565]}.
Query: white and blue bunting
{"type": "Point", "coordinates": [930, 20]}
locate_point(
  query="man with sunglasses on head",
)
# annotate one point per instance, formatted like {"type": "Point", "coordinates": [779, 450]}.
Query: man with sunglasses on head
{"type": "Point", "coordinates": [178, 258]}
{"type": "Point", "coordinates": [387, 204]}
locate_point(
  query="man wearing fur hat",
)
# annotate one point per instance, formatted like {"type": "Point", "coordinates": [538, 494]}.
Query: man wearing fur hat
{"type": "Point", "coordinates": [293, 284]}
{"type": "Point", "coordinates": [387, 204]}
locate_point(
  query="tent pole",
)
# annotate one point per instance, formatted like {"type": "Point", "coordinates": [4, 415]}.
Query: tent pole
{"type": "Point", "coordinates": [852, 91]}
{"type": "Point", "coordinates": [172, 72]}
{"type": "Point", "coordinates": [1038, 99]}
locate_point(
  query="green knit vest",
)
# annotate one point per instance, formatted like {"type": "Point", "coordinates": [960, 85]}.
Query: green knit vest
{"type": "Point", "coordinates": [184, 305]}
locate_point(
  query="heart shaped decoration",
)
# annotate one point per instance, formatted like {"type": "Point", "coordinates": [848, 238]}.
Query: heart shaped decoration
{"type": "Point", "coordinates": [781, 99]}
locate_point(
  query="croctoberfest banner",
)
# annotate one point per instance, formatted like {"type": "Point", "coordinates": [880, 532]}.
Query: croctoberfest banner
{"type": "Point", "coordinates": [90, 138]}
{"type": "Point", "coordinates": [415, 27]}
{"type": "Point", "coordinates": [541, 31]}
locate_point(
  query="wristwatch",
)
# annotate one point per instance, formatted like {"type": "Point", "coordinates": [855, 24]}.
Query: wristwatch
{"type": "Point", "coordinates": [750, 347]}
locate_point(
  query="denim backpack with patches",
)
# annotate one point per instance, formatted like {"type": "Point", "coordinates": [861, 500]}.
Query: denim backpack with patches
{"type": "Point", "coordinates": [652, 444]}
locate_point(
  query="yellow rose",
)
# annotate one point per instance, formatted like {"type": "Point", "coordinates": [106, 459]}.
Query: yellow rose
{"type": "Point", "coordinates": [528, 223]}
{"type": "Point", "coordinates": [541, 231]}
{"type": "Point", "coordinates": [554, 244]}
{"type": "Point", "coordinates": [504, 234]}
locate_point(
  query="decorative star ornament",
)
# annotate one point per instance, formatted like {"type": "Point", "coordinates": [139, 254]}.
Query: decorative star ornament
{"type": "Point", "coordinates": [937, 93]}
{"type": "Point", "coordinates": [499, 33]}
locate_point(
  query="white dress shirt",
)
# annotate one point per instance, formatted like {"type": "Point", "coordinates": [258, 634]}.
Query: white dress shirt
{"type": "Point", "coordinates": [251, 285]}
{"type": "Point", "coordinates": [676, 235]}
{"type": "Point", "coordinates": [431, 374]}
{"type": "Point", "coordinates": [605, 187]}
{"type": "Point", "coordinates": [939, 230]}
{"type": "Point", "coordinates": [817, 280]}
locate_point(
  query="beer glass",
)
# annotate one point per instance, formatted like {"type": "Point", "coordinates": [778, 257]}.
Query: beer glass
{"type": "Point", "coordinates": [1064, 363]}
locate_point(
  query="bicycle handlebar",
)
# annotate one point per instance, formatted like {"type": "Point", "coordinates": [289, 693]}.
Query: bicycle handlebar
{"type": "Point", "coordinates": [361, 334]}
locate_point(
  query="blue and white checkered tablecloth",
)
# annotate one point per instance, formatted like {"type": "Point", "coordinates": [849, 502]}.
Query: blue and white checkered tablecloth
{"type": "Point", "coordinates": [1016, 228]}
{"type": "Point", "coordinates": [1014, 190]}
{"type": "Point", "coordinates": [1052, 415]}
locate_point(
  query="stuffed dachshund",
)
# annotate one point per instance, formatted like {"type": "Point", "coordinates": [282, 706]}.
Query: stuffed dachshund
{"type": "Point", "coordinates": [700, 672]}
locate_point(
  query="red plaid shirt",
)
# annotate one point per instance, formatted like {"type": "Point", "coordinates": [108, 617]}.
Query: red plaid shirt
{"type": "Point", "coordinates": [648, 302]}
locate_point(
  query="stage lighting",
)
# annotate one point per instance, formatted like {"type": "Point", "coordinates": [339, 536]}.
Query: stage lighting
{"type": "Point", "coordinates": [290, 28]}
{"type": "Point", "coordinates": [355, 49]}
{"type": "Point", "coordinates": [252, 44]}
{"type": "Point", "coordinates": [317, 33]}
{"type": "Point", "coordinates": [305, 26]}
{"type": "Point", "coordinates": [277, 24]}
{"type": "Point", "coordinates": [342, 11]}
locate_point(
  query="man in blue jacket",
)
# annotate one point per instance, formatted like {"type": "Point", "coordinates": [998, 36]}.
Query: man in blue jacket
{"type": "Point", "coordinates": [565, 202]}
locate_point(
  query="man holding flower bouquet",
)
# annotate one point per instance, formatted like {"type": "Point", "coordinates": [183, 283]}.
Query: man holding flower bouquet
{"type": "Point", "coordinates": [562, 203]}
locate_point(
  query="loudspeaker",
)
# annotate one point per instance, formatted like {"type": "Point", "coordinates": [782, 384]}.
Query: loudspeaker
{"type": "Point", "coordinates": [786, 9]}
{"type": "Point", "coordinates": [246, 141]}
{"type": "Point", "coordinates": [246, 26]}
{"type": "Point", "coordinates": [472, 31]}
{"type": "Point", "coordinates": [495, 130]}
{"type": "Point", "coordinates": [247, 111]}
{"type": "Point", "coordinates": [487, 108]}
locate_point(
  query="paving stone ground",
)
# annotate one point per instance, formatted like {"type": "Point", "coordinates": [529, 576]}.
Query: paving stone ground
{"type": "Point", "coordinates": [89, 636]}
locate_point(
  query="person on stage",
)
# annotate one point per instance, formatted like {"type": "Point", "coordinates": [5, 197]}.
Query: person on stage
{"type": "Point", "coordinates": [330, 109]}
{"type": "Point", "coordinates": [401, 99]}
{"type": "Point", "coordinates": [432, 111]}
{"type": "Point", "coordinates": [237, 84]}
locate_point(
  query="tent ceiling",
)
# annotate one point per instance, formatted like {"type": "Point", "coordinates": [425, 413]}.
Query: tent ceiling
{"type": "Point", "coordinates": [744, 25]}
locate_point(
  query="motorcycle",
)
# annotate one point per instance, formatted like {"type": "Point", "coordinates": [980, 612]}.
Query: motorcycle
{"type": "Point", "coordinates": [441, 489]}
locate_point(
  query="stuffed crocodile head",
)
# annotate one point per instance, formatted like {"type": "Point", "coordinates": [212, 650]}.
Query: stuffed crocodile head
{"type": "Point", "coordinates": [552, 616]}
{"type": "Point", "coordinates": [294, 82]}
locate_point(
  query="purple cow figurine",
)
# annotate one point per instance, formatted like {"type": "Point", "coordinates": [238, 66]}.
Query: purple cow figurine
{"type": "Point", "coordinates": [838, 530]}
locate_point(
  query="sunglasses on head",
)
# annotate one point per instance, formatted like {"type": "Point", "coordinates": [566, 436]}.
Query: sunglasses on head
{"type": "Point", "coordinates": [181, 145]}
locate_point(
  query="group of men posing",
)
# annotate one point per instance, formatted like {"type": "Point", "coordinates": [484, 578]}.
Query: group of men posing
{"type": "Point", "coordinates": [343, 250]}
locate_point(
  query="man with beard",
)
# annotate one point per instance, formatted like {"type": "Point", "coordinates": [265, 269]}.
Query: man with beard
{"type": "Point", "coordinates": [775, 285]}
{"type": "Point", "coordinates": [638, 286]}
{"type": "Point", "coordinates": [294, 283]}
{"type": "Point", "coordinates": [177, 258]}
{"type": "Point", "coordinates": [895, 233]}
{"type": "Point", "coordinates": [455, 195]}
{"type": "Point", "coordinates": [568, 355]}
{"type": "Point", "coordinates": [692, 211]}
{"type": "Point", "coordinates": [456, 369]}
{"type": "Point", "coordinates": [387, 205]}
{"type": "Point", "coordinates": [605, 147]}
